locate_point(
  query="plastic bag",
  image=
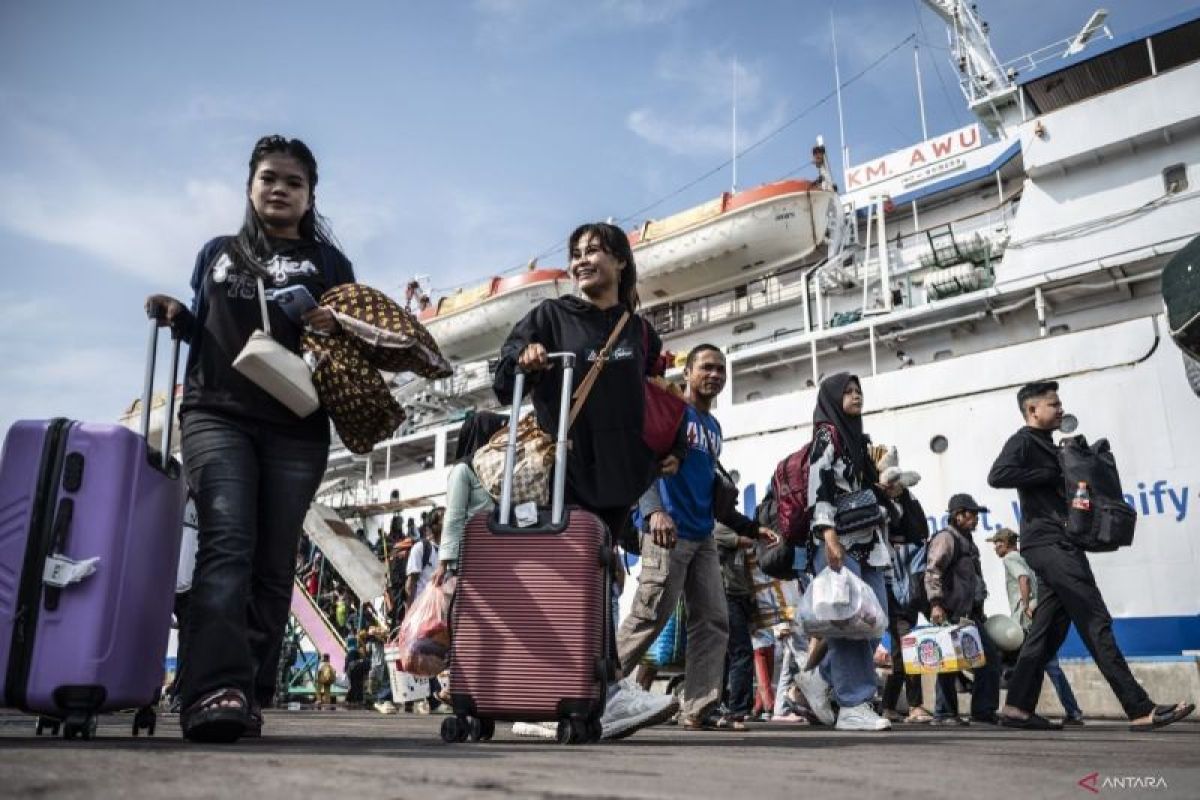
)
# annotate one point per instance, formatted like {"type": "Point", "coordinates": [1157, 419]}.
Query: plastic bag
{"type": "Point", "coordinates": [840, 605]}
{"type": "Point", "coordinates": [424, 638]}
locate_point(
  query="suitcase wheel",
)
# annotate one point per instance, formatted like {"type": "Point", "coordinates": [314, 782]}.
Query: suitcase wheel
{"type": "Point", "coordinates": [49, 724]}
{"type": "Point", "coordinates": [79, 725]}
{"type": "Point", "coordinates": [145, 720]}
{"type": "Point", "coordinates": [481, 730]}
{"type": "Point", "coordinates": [455, 730]}
{"type": "Point", "coordinates": [573, 730]}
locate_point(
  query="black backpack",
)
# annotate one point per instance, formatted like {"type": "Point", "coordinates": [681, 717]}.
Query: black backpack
{"type": "Point", "coordinates": [1105, 521]}
{"type": "Point", "coordinates": [779, 561]}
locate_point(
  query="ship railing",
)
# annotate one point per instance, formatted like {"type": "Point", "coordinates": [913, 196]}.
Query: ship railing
{"type": "Point", "coordinates": [1055, 51]}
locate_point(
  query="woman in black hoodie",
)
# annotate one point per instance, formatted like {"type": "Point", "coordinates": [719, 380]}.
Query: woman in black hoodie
{"type": "Point", "coordinates": [608, 464]}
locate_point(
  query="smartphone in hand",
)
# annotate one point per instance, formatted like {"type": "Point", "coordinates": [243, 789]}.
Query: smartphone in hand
{"type": "Point", "coordinates": [294, 301]}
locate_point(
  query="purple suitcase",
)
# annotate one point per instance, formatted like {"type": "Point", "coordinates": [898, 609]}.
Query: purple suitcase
{"type": "Point", "coordinates": [530, 621]}
{"type": "Point", "coordinates": [78, 639]}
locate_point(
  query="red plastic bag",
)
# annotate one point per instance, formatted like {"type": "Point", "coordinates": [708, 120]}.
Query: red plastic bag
{"type": "Point", "coordinates": [424, 637]}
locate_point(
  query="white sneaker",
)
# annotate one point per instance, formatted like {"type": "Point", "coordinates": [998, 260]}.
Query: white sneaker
{"type": "Point", "coordinates": [816, 691]}
{"type": "Point", "coordinates": [536, 730]}
{"type": "Point", "coordinates": [630, 708]}
{"type": "Point", "coordinates": [386, 707]}
{"type": "Point", "coordinates": [861, 718]}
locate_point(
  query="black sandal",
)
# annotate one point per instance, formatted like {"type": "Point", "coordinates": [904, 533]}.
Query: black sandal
{"type": "Point", "coordinates": [1163, 716]}
{"type": "Point", "coordinates": [212, 721]}
{"type": "Point", "coordinates": [254, 722]}
{"type": "Point", "coordinates": [1033, 722]}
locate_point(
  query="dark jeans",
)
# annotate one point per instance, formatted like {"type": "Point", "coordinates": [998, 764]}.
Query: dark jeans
{"type": "Point", "coordinates": [739, 657]}
{"type": "Point", "coordinates": [253, 486]}
{"type": "Point", "coordinates": [985, 694]}
{"type": "Point", "coordinates": [898, 627]}
{"type": "Point", "coordinates": [1067, 593]}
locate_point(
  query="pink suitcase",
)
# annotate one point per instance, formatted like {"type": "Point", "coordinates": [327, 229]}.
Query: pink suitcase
{"type": "Point", "coordinates": [530, 618]}
{"type": "Point", "coordinates": [90, 523]}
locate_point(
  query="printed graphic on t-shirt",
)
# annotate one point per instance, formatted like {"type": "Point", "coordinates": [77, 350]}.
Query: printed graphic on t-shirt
{"type": "Point", "coordinates": [703, 439]}
{"type": "Point", "coordinates": [619, 353]}
{"type": "Point", "coordinates": [242, 286]}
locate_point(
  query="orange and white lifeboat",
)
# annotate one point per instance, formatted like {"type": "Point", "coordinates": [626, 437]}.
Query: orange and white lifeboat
{"type": "Point", "coordinates": [731, 239]}
{"type": "Point", "coordinates": [472, 323]}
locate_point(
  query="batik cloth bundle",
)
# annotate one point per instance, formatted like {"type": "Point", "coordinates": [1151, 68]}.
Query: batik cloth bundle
{"type": "Point", "coordinates": [375, 334]}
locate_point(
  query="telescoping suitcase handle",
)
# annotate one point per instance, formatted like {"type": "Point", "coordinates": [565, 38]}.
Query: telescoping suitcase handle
{"type": "Point", "coordinates": [148, 390]}
{"type": "Point", "coordinates": [560, 445]}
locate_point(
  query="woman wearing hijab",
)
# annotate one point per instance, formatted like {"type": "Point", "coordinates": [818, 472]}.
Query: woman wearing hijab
{"type": "Point", "coordinates": [465, 495]}
{"type": "Point", "coordinates": [840, 463]}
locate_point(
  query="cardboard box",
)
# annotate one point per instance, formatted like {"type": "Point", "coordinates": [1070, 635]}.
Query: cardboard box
{"type": "Point", "coordinates": [948, 648]}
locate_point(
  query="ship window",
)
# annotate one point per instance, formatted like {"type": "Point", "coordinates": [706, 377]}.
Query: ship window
{"type": "Point", "coordinates": [1175, 179]}
{"type": "Point", "coordinates": [939, 444]}
{"type": "Point", "coordinates": [1058, 330]}
{"type": "Point", "coordinates": [752, 396]}
{"type": "Point", "coordinates": [942, 355]}
{"type": "Point", "coordinates": [1070, 423]}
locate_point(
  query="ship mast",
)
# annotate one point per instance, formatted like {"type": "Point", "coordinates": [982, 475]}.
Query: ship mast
{"type": "Point", "coordinates": [990, 93]}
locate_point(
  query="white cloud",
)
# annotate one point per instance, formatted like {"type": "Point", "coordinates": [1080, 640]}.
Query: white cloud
{"type": "Point", "coordinates": [140, 230]}
{"type": "Point", "coordinates": [697, 121]}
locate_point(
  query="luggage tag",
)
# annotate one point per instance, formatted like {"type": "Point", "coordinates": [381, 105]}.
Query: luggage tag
{"type": "Point", "coordinates": [526, 514]}
{"type": "Point", "coordinates": [61, 571]}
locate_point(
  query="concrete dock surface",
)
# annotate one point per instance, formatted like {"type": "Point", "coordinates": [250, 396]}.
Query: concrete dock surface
{"type": "Point", "coordinates": [362, 754]}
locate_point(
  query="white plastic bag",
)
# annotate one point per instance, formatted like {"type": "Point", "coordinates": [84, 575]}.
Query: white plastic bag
{"type": "Point", "coordinates": [840, 605]}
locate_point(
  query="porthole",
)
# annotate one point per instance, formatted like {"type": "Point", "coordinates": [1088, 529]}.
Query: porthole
{"type": "Point", "coordinates": [1070, 423]}
{"type": "Point", "coordinates": [939, 444]}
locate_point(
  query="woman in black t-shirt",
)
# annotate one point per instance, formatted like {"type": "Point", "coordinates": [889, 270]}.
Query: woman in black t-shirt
{"type": "Point", "coordinates": [251, 462]}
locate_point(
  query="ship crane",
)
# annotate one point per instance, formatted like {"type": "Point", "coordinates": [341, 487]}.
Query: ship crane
{"type": "Point", "coordinates": [990, 92]}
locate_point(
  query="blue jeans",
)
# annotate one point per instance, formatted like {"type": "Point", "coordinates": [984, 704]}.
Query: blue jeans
{"type": "Point", "coordinates": [739, 658]}
{"type": "Point", "coordinates": [1062, 688]}
{"type": "Point", "coordinates": [253, 485]}
{"type": "Point", "coordinates": [850, 665]}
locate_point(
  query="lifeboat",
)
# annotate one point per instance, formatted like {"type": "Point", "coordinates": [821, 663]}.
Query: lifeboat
{"type": "Point", "coordinates": [731, 239]}
{"type": "Point", "coordinates": [472, 323]}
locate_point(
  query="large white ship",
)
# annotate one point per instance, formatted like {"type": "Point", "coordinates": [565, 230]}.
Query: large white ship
{"type": "Point", "coordinates": [1024, 247]}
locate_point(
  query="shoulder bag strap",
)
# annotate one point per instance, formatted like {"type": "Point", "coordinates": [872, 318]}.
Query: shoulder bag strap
{"type": "Point", "coordinates": [262, 303]}
{"type": "Point", "coordinates": [589, 380]}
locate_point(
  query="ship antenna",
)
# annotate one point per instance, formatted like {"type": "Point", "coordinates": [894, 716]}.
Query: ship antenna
{"type": "Point", "coordinates": [837, 77]}
{"type": "Point", "coordinates": [920, 91]}
{"type": "Point", "coordinates": [733, 159]}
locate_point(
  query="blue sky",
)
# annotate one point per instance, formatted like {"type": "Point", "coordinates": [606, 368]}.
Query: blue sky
{"type": "Point", "coordinates": [455, 139]}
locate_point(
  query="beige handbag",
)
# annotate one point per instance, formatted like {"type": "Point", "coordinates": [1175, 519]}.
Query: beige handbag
{"type": "Point", "coordinates": [276, 370]}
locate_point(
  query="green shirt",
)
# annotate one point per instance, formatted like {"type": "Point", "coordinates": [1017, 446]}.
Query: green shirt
{"type": "Point", "coordinates": [1014, 568]}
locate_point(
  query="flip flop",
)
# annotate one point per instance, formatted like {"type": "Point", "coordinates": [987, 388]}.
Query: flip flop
{"type": "Point", "coordinates": [918, 716]}
{"type": "Point", "coordinates": [1031, 723]}
{"type": "Point", "coordinates": [1163, 716]}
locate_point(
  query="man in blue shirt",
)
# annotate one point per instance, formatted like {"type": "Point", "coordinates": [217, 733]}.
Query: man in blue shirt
{"type": "Point", "coordinates": [679, 553]}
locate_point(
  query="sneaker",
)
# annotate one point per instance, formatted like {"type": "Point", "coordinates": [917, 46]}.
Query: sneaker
{"type": "Point", "coordinates": [951, 721]}
{"type": "Point", "coordinates": [989, 718]}
{"type": "Point", "coordinates": [386, 707]}
{"type": "Point", "coordinates": [861, 718]}
{"type": "Point", "coordinates": [790, 717]}
{"type": "Point", "coordinates": [816, 691]}
{"type": "Point", "coordinates": [1073, 722]}
{"type": "Point", "coordinates": [630, 708]}
{"type": "Point", "coordinates": [536, 730]}
{"type": "Point", "coordinates": [422, 707]}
